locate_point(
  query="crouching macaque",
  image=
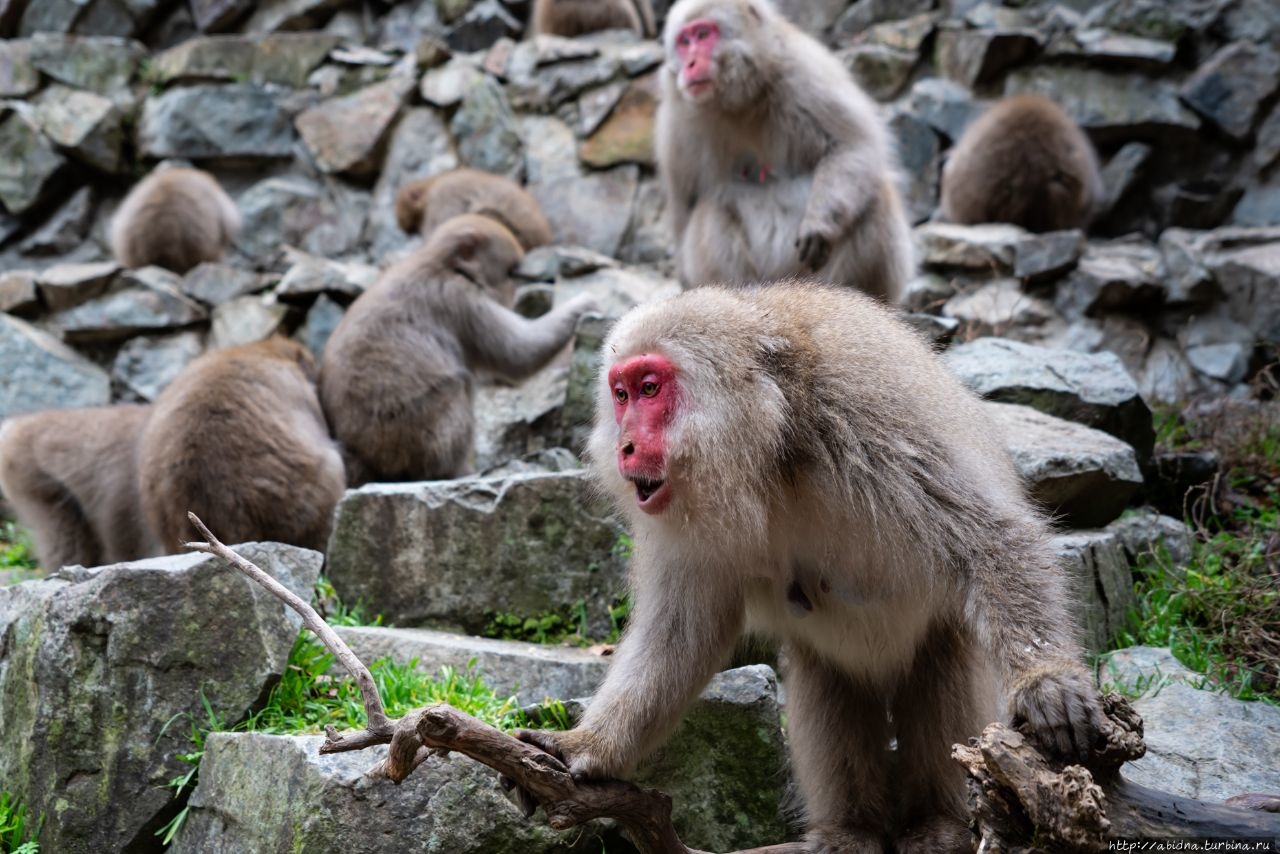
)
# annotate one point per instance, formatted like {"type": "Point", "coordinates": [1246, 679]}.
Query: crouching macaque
{"type": "Point", "coordinates": [72, 478]}
{"type": "Point", "coordinates": [1026, 162]}
{"type": "Point", "coordinates": [794, 462]}
{"type": "Point", "coordinates": [238, 438]}
{"type": "Point", "coordinates": [775, 163]}
{"type": "Point", "coordinates": [423, 205]}
{"type": "Point", "coordinates": [578, 17]}
{"type": "Point", "coordinates": [398, 372]}
{"type": "Point", "coordinates": [174, 218]}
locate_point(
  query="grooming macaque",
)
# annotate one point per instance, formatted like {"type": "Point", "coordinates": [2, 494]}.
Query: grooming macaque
{"type": "Point", "coordinates": [1023, 161]}
{"type": "Point", "coordinates": [775, 163]}
{"type": "Point", "coordinates": [72, 478]}
{"type": "Point", "coordinates": [238, 438]}
{"type": "Point", "coordinates": [398, 372]}
{"type": "Point", "coordinates": [578, 17]}
{"type": "Point", "coordinates": [174, 218]}
{"type": "Point", "coordinates": [796, 463]}
{"type": "Point", "coordinates": [423, 205]}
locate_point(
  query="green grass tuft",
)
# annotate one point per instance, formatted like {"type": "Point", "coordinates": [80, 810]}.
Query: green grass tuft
{"type": "Point", "coordinates": [16, 551]}
{"type": "Point", "coordinates": [17, 832]}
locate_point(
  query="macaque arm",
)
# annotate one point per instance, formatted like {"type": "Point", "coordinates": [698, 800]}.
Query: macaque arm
{"type": "Point", "coordinates": [679, 173]}
{"type": "Point", "coordinates": [505, 343]}
{"type": "Point", "coordinates": [844, 185]}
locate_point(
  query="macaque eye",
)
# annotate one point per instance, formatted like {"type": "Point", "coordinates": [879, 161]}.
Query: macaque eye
{"type": "Point", "coordinates": [648, 388]}
{"type": "Point", "coordinates": [620, 395]}
{"type": "Point", "coordinates": [701, 33]}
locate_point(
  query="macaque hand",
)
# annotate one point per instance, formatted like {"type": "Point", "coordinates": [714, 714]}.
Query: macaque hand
{"type": "Point", "coordinates": [1062, 707]}
{"type": "Point", "coordinates": [572, 748]}
{"type": "Point", "coordinates": [582, 304]}
{"type": "Point", "coordinates": [814, 249]}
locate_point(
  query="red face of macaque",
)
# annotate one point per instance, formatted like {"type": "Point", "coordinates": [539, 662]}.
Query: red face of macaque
{"type": "Point", "coordinates": [696, 45]}
{"type": "Point", "coordinates": [644, 400]}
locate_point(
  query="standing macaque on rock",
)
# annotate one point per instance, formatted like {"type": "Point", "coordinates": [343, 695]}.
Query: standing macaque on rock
{"type": "Point", "coordinates": [238, 438]}
{"type": "Point", "coordinates": [398, 372]}
{"type": "Point", "coordinates": [775, 163]}
{"type": "Point", "coordinates": [794, 462]}
{"type": "Point", "coordinates": [579, 17]}
{"type": "Point", "coordinates": [72, 478]}
{"type": "Point", "coordinates": [424, 205]}
{"type": "Point", "coordinates": [174, 218]}
{"type": "Point", "coordinates": [1026, 162]}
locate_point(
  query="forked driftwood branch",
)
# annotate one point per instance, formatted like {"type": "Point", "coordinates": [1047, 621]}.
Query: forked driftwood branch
{"type": "Point", "coordinates": [1019, 801]}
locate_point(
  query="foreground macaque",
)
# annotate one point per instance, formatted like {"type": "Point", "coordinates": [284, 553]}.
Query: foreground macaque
{"type": "Point", "coordinates": [397, 377]}
{"type": "Point", "coordinates": [796, 463]}
{"type": "Point", "coordinates": [775, 163]}
{"type": "Point", "coordinates": [424, 205]}
{"type": "Point", "coordinates": [174, 218]}
{"type": "Point", "coordinates": [238, 438]}
{"type": "Point", "coordinates": [72, 478]}
{"type": "Point", "coordinates": [1024, 161]}
{"type": "Point", "coordinates": [578, 17]}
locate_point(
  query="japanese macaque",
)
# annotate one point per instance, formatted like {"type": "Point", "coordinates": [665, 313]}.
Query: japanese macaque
{"type": "Point", "coordinates": [796, 463]}
{"type": "Point", "coordinates": [1023, 161]}
{"type": "Point", "coordinates": [398, 372]}
{"type": "Point", "coordinates": [423, 205]}
{"type": "Point", "coordinates": [238, 438]}
{"type": "Point", "coordinates": [578, 17]}
{"type": "Point", "coordinates": [174, 218]}
{"type": "Point", "coordinates": [72, 478]}
{"type": "Point", "coordinates": [775, 163]}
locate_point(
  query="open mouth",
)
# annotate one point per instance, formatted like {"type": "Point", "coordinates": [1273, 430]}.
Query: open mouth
{"type": "Point", "coordinates": [646, 487]}
{"type": "Point", "coordinates": [697, 87]}
{"type": "Point", "coordinates": [651, 493]}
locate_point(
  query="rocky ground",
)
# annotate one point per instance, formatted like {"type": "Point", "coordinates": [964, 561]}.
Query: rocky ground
{"type": "Point", "coordinates": [313, 112]}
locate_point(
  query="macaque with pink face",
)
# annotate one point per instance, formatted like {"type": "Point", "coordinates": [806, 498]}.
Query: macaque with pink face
{"type": "Point", "coordinates": [774, 162]}
{"type": "Point", "coordinates": [795, 462]}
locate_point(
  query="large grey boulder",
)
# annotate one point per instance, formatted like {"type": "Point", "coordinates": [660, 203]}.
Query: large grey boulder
{"type": "Point", "coordinates": [346, 134]}
{"type": "Point", "coordinates": [28, 163]}
{"type": "Point", "coordinates": [146, 364]}
{"type": "Point", "coordinates": [40, 372]}
{"type": "Point", "coordinates": [1100, 584]}
{"type": "Point", "coordinates": [282, 58]}
{"type": "Point", "coordinates": [515, 420]}
{"type": "Point", "coordinates": [1229, 89]}
{"type": "Point", "coordinates": [1084, 475]}
{"type": "Point", "coordinates": [450, 554]}
{"type": "Point", "coordinates": [486, 132]}
{"type": "Point", "coordinates": [419, 147]}
{"type": "Point", "coordinates": [99, 667]}
{"type": "Point", "coordinates": [1250, 279]}
{"type": "Point", "coordinates": [589, 210]}
{"type": "Point", "coordinates": [1093, 389]}
{"type": "Point", "coordinates": [88, 126]}
{"type": "Point", "coordinates": [321, 217]}
{"type": "Point", "coordinates": [1200, 743]}
{"type": "Point", "coordinates": [1110, 104]}
{"type": "Point", "coordinates": [149, 300]}
{"type": "Point", "coordinates": [235, 120]}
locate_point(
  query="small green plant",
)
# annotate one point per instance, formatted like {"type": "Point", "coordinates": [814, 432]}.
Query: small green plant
{"type": "Point", "coordinates": [17, 833]}
{"type": "Point", "coordinates": [15, 548]}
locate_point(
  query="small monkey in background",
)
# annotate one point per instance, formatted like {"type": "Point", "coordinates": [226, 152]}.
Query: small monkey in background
{"type": "Point", "coordinates": [398, 372]}
{"type": "Point", "coordinates": [423, 205]}
{"type": "Point", "coordinates": [579, 17]}
{"type": "Point", "coordinates": [72, 477]}
{"type": "Point", "coordinates": [238, 438]}
{"type": "Point", "coordinates": [1024, 161]}
{"type": "Point", "coordinates": [774, 162]}
{"type": "Point", "coordinates": [174, 218]}
{"type": "Point", "coordinates": [795, 462]}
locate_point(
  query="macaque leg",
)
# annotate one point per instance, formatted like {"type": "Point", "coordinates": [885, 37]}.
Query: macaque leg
{"type": "Point", "coordinates": [947, 698]}
{"type": "Point", "coordinates": [59, 530]}
{"type": "Point", "coordinates": [839, 734]}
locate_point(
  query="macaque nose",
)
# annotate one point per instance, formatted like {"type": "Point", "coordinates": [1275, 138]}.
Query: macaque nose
{"type": "Point", "coordinates": [628, 448]}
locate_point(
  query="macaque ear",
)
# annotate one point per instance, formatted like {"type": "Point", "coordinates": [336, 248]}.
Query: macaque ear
{"type": "Point", "coordinates": [467, 255]}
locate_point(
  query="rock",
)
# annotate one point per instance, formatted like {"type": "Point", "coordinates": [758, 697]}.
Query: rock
{"type": "Point", "coordinates": [214, 283]}
{"type": "Point", "coordinates": [1218, 347]}
{"type": "Point", "coordinates": [322, 318]}
{"type": "Point", "coordinates": [1100, 585]}
{"type": "Point", "coordinates": [450, 554]}
{"type": "Point", "coordinates": [18, 293]}
{"type": "Point", "coordinates": [28, 163]}
{"type": "Point", "coordinates": [43, 373]}
{"type": "Point", "coordinates": [997, 306]}
{"type": "Point", "coordinates": [65, 229]}
{"type": "Point", "coordinates": [1154, 19]}
{"type": "Point", "coordinates": [548, 71]}
{"type": "Point", "coordinates": [1082, 475]}
{"type": "Point", "coordinates": [532, 671]}
{"type": "Point", "coordinates": [864, 13]}
{"type": "Point", "coordinates": [346, 134]}
{"type": "Point", "coordinates": [1266, 148]}
{"type": "Point", "coordinates": [311, 276]}
{"type": "Point", "coordinates": [56, 16]}
{"type": "Point", "coordinates": [119, 654]}
{"type": "Point", "coordinates": [1229, 88]}
{"type": "Point", "coordinates": [1259, 205]}
{"type": "Point", "coordinates": [928, 292]}
{"type": "Point", "coordinates": [945, 106]}
{"type": "Point", "coordinates": [580, 398]}
{"type": "Point", "coordinates": [814, 18]}
{"type": "Point", "coordinates": [1250, 279]}
{"type": "Point", "coordinates": [484, 23]}
{"type": "Point", "coordinates": [446, 86]}
{"type": "Point", "coordinates": [636, 58]}
{"type": "Point", "coordinates": [592, 210]}
{"type": "Point", "coordinates": [485, 130]}
{"type": "Point", "coordinates": [286, 59]}
{"type": "Point", "coordinates": [921, 154]}
{"type": "Point", "coordinates": [149, 300]}
{"type": "Point", "coordinates": [1110, 105]}
{"type": "Point", "coordinates": [419, 147]}
{"type": "Point", "coordinates": [938, 331]}
{"type": "Point", "coordinates": [1040, 257]}
{"type": "Point", "coordinates": [617, 290]}
{"type": "Point", "coordinates": [1179, 476]}
{"type": "Point", "coordinates": [1187, 279]}
{"type": "Point", "coordinates": [1144, 533]}
{"type": "Point", "coordinates": [89, 126]}
{"type": "Point", "coordinates": [626, 136]}
{"type": "Point", "coordinates": [1239, 753]}
{"type": "Point", "coordinates": [547, 263]}
{"type": "Point", "coordinates": [907, 34]}
{"type": "Point", "coordinates": [214, 15]}
{"type": "Point", "coordinates": [102, 65]}
{"type": "Point", "coordinates": [18, 76]}
{"type": "Point", "coordinates": [146, 364]}
{"type": "Point", "coordinates": [989, 248]}
{"type": "Point", "coordinates": [1121, 173]}
{"type": "Point", "coordinates": [272, 15]}
{"type": "Point", "coordinates": [1166, 375]}
{"type": "Point", "coordinates": [244, 320]}
{"type": "Point", "coordinates": [64, 286]}
{"type": "Point", "coordinates": [1105, 47]}
{"type": "Point", "coordinates": [512, 421]}
{"type": "Point", "coordinates": [319, 217]}
{"type": "Point", "coordinates": [550, 151]}
{"type": "Point", "coordinates": [880, 70]}
{"type": "Point", "coordinates": [596, 105]}
{"type": "Point", "coordinates": [237, 120]}
{"type": "Point", "coordinates": [971, 57]}
{"type": "Point", "coordinates": [1092, 389]}
{"type": "Point", "coordinates": [1121, 275]}
{"type": "Point", "coordinates": [648, 236]}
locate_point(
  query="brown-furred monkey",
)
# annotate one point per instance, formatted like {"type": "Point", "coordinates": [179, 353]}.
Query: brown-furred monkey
{"type": "Point", "coordinates": [174, 218]}
{"type": "Point", "coordinates": [795, 462]}
{"type": "Point", "coordinates": [579, 17]}
{"type": "Point", "coordinates": [426, 204]}
{"type": "Point", "coordinates": [775, 163]}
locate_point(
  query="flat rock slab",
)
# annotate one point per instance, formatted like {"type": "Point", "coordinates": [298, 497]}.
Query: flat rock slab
{"type": "Point", "coordinates": [451, 554]}
{"type": "Point", "coordinates": [43, 373]}
{"type": "Point", "coordinates": [1083, 475]}
{"type": "Point", "coordinates": [1200, 744]}
{"type": "Point", "coordinates": [100, 667]}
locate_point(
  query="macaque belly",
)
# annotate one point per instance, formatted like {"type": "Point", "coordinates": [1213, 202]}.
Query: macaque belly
{"type": "Point", "coordinates": [746, 229]}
